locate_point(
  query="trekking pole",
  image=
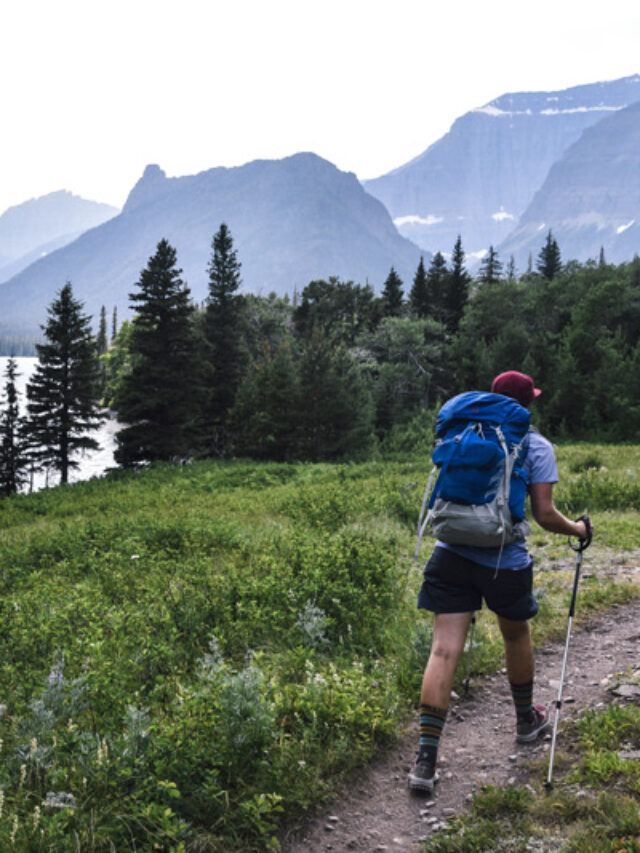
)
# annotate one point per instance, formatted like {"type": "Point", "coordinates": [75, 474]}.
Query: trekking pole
{"type": "Point", "coordinates": [582, 545]}
{"type": "Point", "coordinates": [469, 650]}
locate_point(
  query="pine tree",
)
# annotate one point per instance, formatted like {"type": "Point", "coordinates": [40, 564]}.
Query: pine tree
{"type": "Point", "coordinates": [101, 339]}
{"type": "Point", "coordinates": [391, 300]}
{"type": "Point", "coordinates": [14, 458]}
{"type": "Point", "coordinates": [549, 263]}
{"type": "Point", "coordinates": [335, 405]}
{"type": "Point", "coordinates": [436, 286]}
{"type": "Point", "coordinates": [63, 392]}
{"type": "Point", "coordinates": [601, 259]}
{"type": "Point", "coordinates": [419, 295]}
{"type": "Point", "coordinates": [457, 284]}
{"type": "Point", "coordinates": [491, 267]}
{"type": "Point", "coordinates": [114, 323]}
{"type": "Point", "coordinates": [511, 269]}
{"type": "Point", "coordinates": [102, 346]}
{"type": "Point", "coordinates": [265, 416]}
{"type": "Point", "coordinates": [224, 334]}
{"type": "Point", "coordinates": [158, 398]}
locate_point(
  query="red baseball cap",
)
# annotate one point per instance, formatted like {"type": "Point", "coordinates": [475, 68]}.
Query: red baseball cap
{"type": "Point", "coordinates": [517, 385]}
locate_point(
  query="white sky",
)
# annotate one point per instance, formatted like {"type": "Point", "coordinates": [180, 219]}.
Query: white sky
{"type": "Point", "coordinates": [93, 91]}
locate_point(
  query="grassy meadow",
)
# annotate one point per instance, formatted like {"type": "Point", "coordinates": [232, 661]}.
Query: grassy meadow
{"type": "Point", "coordinates": [192, 656]}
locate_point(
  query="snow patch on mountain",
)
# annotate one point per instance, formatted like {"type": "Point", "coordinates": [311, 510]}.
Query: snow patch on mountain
{"type": "Point", "coordinates": [414, 219]}
{"type": "Point", "coordinates": [501, 215]}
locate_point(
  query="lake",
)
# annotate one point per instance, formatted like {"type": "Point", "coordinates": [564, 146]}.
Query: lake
{"type": "Point", "coordinates": [92, 464]}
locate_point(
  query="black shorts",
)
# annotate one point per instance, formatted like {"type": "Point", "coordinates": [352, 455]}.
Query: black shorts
{"type": "Point", "coordinates": [454, 584]}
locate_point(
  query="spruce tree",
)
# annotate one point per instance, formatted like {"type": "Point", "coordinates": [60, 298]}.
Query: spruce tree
{"type": "Point", "coordinates": [63, 392]}
{"type": "Point", "coordinates": [158, 396]}
{"type": "Point", "coordinates": [391, 300]}
{"type": "Point", "coordinates": [436, 285]}
{"type": "Point", "coordinates": [335, 404]}
{"type": "Point", "coordinates": [101, 339]}
{"type": "Point", "coordinates": [549, 263]}
{"type": "Point", "coordinates": [224, 334]}
{"type": "Point", "coordinates": [114, 324]}
{"type": "Point", "coordinates": [419, 295]}
{"type": "Point", "coordinates": [456, 288]}
{"type": "Point", "coordinates": [14, 457]}
{"type": "Point", "coordinates": [491, 267]}
{"type": "Point", "coordinates": [266, 412]}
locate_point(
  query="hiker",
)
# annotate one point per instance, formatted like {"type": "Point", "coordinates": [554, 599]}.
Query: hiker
{"type": "Point", "coordinates": [458, 577]}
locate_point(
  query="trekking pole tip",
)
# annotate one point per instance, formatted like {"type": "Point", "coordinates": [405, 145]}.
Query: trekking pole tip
{"type": "Point", "coordinates": [548, 786]}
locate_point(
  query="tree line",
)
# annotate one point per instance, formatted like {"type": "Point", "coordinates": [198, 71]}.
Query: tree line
{"type": "Point", "coordinates": [334, 373]}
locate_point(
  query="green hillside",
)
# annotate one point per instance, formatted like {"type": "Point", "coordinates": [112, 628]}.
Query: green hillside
{"type": "Point", "coordinates": [193, 655]}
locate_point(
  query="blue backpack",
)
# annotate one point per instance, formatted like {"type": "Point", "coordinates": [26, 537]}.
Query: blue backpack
{"type": "Point", "coordinates": [478, 497]}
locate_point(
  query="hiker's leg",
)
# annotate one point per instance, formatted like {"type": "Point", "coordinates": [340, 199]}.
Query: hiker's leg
{"type": "Point", "coordinates": [518, 650]}
{"type": "Point", "coordinates": [520, 667]}
{"type": "Point", "coordinates": [449, 635]}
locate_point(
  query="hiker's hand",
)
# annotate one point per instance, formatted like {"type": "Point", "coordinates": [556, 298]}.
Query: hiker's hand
{"type": "Point", "coordinates": [584, 531]}
{"type": "Point", "coordinates": [581, 530]}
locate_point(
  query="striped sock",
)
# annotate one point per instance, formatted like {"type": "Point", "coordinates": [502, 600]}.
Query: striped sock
{"type": "Point", "coordinates": [431, 725]}
{"type": "Point", "coordinates": [523, 700]}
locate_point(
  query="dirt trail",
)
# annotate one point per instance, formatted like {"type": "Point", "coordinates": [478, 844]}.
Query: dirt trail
{"type": "Point", "coordinates": [378, 813]}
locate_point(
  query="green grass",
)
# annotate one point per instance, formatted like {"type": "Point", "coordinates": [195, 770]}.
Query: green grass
{"type": "Point", "coordinates": [189, 655]}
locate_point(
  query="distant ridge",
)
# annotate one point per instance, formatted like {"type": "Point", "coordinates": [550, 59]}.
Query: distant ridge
{"type": "Point", "coordinates": [591, 197]}
{"type": "Point", "coordinates": [479, 178]}
{"type": "Point", "coordinates": [41, 225]}
{"type": "Point", "coordinates": [292, 220]}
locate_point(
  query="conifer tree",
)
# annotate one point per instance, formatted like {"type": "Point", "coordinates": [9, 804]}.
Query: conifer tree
{"type": "Point", "coordinates": [457, 284]}
{"type": "Point", "coordinates": [511, 269]}
{"type": "Point", "coordinates": [391, 299]}
{"type": "Point", "coordinates": [224, 334]}
{"type": "Point", "coordinates": [436, 285]}
{"type": "Point", "coordinates": [491, 267]}
{"type": "Point", "coordinates": [63, 392]}
{"type": "Point", "coordinates": [419, 295]}
{"type": "Point", "coordinates": [265, 416]}
{"type": "Point", "coordinates": [336, 408]}
{"type": "Point", "coordinates": [101, 339]}
{"type": "Point", "coordinates": [14, 457]}
{"type": "Point", "coordinates": [158, 398]}
{"type": "Point", "coordinates": [114, 323]}
{"type": "Point", "coordinates": [549, 263]}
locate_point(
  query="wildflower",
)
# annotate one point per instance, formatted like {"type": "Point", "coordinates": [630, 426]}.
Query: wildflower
{"type": "Point", "coordinates": [36, 817]}
{"type": "Point", "coordinates": [1, 800]}
{"type": "Point", "coordinates": [33, 747]}
{"type": "Point", "coordinates": [23, 774]}
{"type": "Point", "coordinates": [135, 556]}
{"type": "Point", "coordinates": [56, 675]}
{"type": "Point", "coordinates": [14, 830]}
{"type": "Point", "coordinates": [59, 800]}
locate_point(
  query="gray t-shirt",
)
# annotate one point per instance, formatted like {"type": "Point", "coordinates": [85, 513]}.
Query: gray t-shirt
{"type": "Point", "coordinates": [540, 465]}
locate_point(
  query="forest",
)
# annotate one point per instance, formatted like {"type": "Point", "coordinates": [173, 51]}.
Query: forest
{"type": "Point", "coordinates": [333, 373]}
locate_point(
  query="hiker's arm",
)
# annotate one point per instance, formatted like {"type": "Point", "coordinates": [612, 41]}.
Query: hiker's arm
{"type": "Point", "coordinates": [548, 517]}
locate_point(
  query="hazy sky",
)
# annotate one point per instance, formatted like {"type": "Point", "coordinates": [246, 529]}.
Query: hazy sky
{"type": "Point", "coordinates": [94, 90]}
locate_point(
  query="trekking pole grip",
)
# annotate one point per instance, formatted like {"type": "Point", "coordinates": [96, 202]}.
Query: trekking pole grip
{"type": "Point", "coordinates": [583, 544]}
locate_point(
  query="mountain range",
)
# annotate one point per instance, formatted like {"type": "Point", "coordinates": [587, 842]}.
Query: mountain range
{"type": "Point", "coordinates": [504, 175]}
{"type": "Point", "coordinates": [39, 226]}
{"type": "Point", "coordinates": [292, 221]}
{"type": "Point", "coordinates": [480, 177]}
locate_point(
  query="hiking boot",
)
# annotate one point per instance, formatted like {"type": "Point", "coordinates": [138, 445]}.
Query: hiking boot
{"type": "Point", "coordinates": [423, 775]}
{"type": "Point", "coordinates": [528, 732]}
